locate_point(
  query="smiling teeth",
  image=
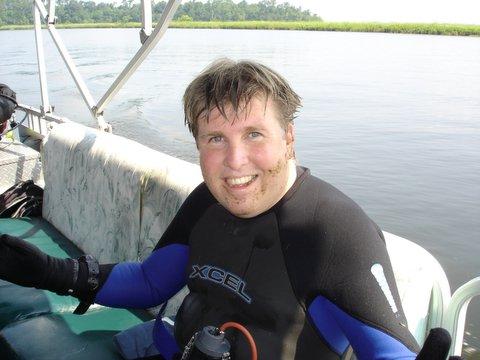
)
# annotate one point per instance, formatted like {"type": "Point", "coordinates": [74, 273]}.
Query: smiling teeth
{"type": "Point", "coordinates": [240, 181]}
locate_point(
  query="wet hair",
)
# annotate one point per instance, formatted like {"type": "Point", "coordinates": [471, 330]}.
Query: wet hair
{"type": "Point", "coordinates": [227, 83]}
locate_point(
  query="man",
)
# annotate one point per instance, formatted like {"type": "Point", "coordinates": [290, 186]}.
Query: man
{"type": "Point", "coordinates": [261, 242]}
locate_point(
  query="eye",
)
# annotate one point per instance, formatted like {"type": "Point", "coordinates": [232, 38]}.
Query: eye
{"type": "Point", "coordinates": [254, 134]}
{"type": "Point", "coordinates": [215, 139]}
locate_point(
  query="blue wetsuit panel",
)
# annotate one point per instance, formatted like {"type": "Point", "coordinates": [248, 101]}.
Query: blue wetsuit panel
{"type": "Point", "coordinates": [146, 284]}
{"type": "Point", "coordinates": [164, 341]}
{"type": "Point", "coordinates": [367, 342]}
{"type": "Point", "coordinates": [327, 325]}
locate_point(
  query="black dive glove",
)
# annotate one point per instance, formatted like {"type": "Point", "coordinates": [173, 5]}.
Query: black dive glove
{"type": "Point", "coordinates": [436, 346]}
{"type": "Point", "coordinates": [24, 264]}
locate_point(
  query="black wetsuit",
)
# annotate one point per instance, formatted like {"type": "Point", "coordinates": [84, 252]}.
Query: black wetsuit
{"type": "Point", "coordinates": [307, 278]}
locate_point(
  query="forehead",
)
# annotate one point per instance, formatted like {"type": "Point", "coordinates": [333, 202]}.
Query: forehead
{"type": "Point", "coordinates": [257, 112]}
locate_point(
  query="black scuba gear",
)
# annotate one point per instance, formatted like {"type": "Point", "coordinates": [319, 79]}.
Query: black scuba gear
{"type": "Point", "coordinates": [312, 251]}
{"type": "Point", "coordinates": [24, 264]}
{"type": "Point", "coordinates": [22, 199]}
{"type": "Point", "coordinates": [208, 344]}
{"type": "Point", "coordinates": [8, 103]}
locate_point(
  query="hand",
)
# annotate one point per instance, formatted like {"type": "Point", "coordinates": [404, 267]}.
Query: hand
{"type": "Point", "coordinates": [24, 264]}
{"type": "Point", "coordinates": [21, 262]}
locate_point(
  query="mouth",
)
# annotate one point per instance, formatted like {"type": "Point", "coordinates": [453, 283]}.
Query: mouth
{"type": "Point", "coordinates": [240, 182]}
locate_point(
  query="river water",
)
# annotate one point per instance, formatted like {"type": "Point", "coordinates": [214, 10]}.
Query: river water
{"type": "Point", "coordinates": [391, 120]}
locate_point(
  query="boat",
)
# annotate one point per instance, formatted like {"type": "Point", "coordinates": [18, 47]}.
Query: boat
{"type": "Point", "coordinates": [98, 185]}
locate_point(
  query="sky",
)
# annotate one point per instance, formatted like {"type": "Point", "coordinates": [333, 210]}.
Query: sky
{"type": "Point", "coordinates": [425, 11]}
{"type": "Point", "coordinates": [444, 11]}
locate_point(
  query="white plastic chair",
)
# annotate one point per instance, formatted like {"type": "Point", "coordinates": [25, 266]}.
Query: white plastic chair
{"type": "Point", "coordinates": [425, 292]}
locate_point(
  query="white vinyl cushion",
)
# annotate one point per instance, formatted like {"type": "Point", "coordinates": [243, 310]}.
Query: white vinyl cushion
{"type": "Point", "coordinates": [111, 196]}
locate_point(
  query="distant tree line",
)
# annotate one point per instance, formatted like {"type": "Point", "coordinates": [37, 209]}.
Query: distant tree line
{"type": "Point", "coordinates": [78, 11]}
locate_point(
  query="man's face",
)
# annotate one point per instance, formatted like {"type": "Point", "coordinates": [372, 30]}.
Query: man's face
{"type": "Point", "coordinates": [244, 159]}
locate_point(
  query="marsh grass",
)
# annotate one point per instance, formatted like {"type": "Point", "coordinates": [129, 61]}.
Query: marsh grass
{"type": "Point", "coordinates": [401, 28]}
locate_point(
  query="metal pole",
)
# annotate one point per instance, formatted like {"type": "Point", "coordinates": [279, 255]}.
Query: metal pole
{"type": "Point", "coordinates": [41, 61]}
{"type": "Point", "coordinates": [51, 12]}
{"type": "Point", "coordinates": [141, 54]}
{"type": "Point", "coordinates": [42, 9]}
{"type": "Point", "coordinates": [33, 112]}
{"type": "Point", "coordinates": [77, 78]}
{"type": "Point", "coordinates": [87, 97]}
{"type": "Point", "coordinates": [146, 20]}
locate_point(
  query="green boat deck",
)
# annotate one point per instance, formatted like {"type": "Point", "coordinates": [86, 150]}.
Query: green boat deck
{"type": "Point", "coordinates": [31, 320]}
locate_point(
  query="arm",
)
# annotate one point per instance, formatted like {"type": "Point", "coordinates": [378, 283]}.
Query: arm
{"type": "Point", "coordinates": [341, 273]}
{"type": "Point", "coordinates": [146, 284]}
{"type": "Point", "coordinates": [341, 329]}
{"type": "Point", "coordinates": [162, 274]}
{"type": "Point", "coordinates": [154, 280]}
{"type": "Point", "coordinates": [345, 279]}
{"type": "Point", "coordinates": [358, 301]}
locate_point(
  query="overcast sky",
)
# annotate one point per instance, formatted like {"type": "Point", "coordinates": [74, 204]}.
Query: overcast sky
{"type": "Point", "coordinates": [450, 11]}
{"type": "Point", "coordinates": [444, 11]}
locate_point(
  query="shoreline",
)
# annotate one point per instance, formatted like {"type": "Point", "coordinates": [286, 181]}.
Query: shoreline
{"type": "Point", "coordinates": [374, 27]}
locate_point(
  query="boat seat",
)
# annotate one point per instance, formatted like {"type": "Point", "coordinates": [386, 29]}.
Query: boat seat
{"type": "Point", "coordinates": [139, 189]}
{"type": "Point", "coordinates": [31, 320]}
{"type": "Point", "coordinates": [109, 195]}
{"type": "Point", "coordinates": [422, 285]}
{"type": "Point", "coordinates": [61, 336]}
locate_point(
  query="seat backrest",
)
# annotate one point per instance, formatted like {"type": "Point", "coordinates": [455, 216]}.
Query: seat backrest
{"type": "Point", "coordinates": [422, 285]}
{"type": "Point", "coordinates": [111, 196]}
{"type": "Point", "coordinates": [166, 185]}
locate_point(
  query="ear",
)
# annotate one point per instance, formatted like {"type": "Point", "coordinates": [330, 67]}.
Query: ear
{"type": "Point", "coordinates": [290, 139]}
{"type": "Point", "coordinates": [290, 133]}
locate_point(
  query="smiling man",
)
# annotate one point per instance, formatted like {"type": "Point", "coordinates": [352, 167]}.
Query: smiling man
{"type": "Point", "coordinates": [261, 242]}
{"type": "Point", "coordinates": [247, 164]}
{"type": "Point", "coordinates": [244, 134]}
{"type": "Point", "coordinates": [314, 269]}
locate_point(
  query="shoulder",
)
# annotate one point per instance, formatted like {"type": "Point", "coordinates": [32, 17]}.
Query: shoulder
{"type": "Point", "coordinates": [199, 197]}
{"type": "Point", "coordinates": [333, 249]}
{"type": "Point", "coordinates": [325, 210]}
{"type": "Point", "coordinates": [192, 209]}
{"type": "Point", "coordinates": [196, 203]}
{"type": "Point", "coordinates": [325, 234]}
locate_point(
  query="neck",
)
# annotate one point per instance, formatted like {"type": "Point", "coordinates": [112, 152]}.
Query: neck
{"type": "Point", "coordinates": [292, 173]}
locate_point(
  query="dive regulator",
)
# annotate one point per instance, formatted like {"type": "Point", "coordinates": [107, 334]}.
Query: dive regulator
{"type": "Point", "coordinates": [211, 344]}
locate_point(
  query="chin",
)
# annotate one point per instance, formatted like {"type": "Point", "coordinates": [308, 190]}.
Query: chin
{"type": "Point", "coordinates": [238, 212]}
{"type": "Point", "coordinates": [241, 212]}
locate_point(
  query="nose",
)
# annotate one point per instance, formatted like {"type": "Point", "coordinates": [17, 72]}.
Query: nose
{"type": "Point", "coordinates": [236, 156]}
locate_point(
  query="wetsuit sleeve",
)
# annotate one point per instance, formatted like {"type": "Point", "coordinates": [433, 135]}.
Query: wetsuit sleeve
{"type": "Point", "coordinates": [146, 284]}
{"type": "Point", "coordinates": [356, 298]}
{"type": "Point", "coordinates": [162, 274]}
{"type": "Point", "coordinates": [339, 329]}
{"type": "Point", "coordinates": [341, 273]}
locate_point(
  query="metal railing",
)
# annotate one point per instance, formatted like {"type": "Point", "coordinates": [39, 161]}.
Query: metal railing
{"type": "Point", "coordinates": [454, 318]}
{"type": "Point", "coordinates": [148, 41]}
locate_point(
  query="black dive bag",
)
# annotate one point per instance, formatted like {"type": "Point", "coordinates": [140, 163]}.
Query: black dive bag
{"type": "Point", "coordinates": [22, 199]}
